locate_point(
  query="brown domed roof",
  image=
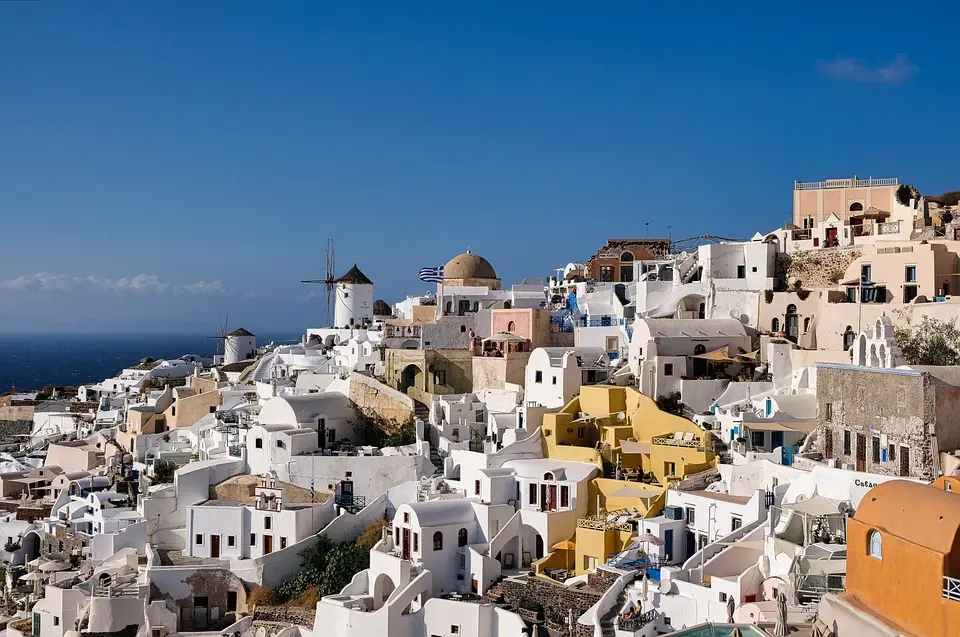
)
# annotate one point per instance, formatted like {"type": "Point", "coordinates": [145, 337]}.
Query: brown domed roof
{"type": "Point", "coordinates": [355, 276]}
{"type": "Point", "coordinates": [468, 266]}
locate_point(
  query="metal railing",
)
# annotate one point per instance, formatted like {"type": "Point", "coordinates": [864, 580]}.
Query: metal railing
{"type": "Point", "coordinates": [951, 588]}
{"type": "Point", "coordinates": [845, 183]}
{"type": "Point", "coordinates": [352, 501]}
{"type": "Point", "coordinates": [669, 441]}
{"type": "Point", "coordinates": [636, 623]}
{"type": "Point", "coordinates": [890, 227]}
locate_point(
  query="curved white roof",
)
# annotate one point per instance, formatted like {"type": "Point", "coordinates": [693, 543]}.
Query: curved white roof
{"type": "Point", "coordinates": [696, 328]}
{"type": "Point", "coordinates": [306, 409]}
{"type": "Point", "coordinates": [536, 467]}
{"type": "Point", "coordinates": [443, 512]}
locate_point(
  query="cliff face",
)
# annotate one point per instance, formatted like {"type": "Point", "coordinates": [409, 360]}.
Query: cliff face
{"type": "Point", "coordinates": [822, 268]}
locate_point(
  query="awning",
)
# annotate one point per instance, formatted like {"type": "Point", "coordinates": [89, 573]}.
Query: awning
{"type": "Point", "coordinates": [634, 492]}
{"type": "Point", "coordinates": [856, 282]}
{"type": "Point", "coordinates": [723, 355]}
{"type": "Point", "coordinates": [815, 505]}
{"type": "Point", "coordinates": [872, 213]}
{"type": "Point", "coordinates": [799, 426]}
{"type": "Point", "coordinates": [826, 567]}
{"type": "Point", "coordinates": [632, 446]}
{"type": "Point", "coordinates": [504, 337]}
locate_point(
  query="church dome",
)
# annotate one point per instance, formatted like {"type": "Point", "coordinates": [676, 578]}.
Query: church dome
{"type": "Point", "coordinates": [468, 266]}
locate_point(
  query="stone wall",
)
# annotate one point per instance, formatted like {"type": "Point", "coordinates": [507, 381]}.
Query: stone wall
{"type": "Point", "coordinates": [555, 599]}
{"type": "Point", "coordinates": [821, 268]}
{"type": "Point", "coordinates": [867, 402]}
{"type": "Point", "coordinates": [13, 430]}
{"type": "Point", "coordinates": [62, 545]}
{"type": "Point", "coordinates": [26, 511]}
{"type": "Point", "coordinates": [369, 394]}
{"type": "Point", "coordinates": [284, 615]}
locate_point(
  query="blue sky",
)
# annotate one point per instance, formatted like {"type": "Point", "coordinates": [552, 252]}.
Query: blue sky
{"type": "Point", "coordinates": [164, 163]}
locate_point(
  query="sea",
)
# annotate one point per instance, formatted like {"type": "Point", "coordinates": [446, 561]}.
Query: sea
{"type": "Point", "coordinates": [32, 361]}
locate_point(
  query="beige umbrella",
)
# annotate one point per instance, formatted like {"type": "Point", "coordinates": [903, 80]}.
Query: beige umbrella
{"type": "Point", "coordinates": [644, 587]}
{"type": "Point", "coordinates": [34, 576]}
{"type": "Point", "coordinates": [781, 629]}
{"type": "Point", "coordinates": [52, 567]}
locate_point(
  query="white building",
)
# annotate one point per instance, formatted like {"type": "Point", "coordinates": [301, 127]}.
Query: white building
{"type": "Point", "coordinates": [554, 375]}
{"type": "Point", "coordinates": [663, 351]}
{"type": "Point", "coordinates": [231, 529]}
{"type": "Point", "coordinates": [239, 345]}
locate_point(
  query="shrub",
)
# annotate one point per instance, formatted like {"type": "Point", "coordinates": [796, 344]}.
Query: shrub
{"type": "Point", "coordinates": [931, 342]}
{"type": "Point", "coordinates": [262, 596]}
{"type": "Point", "coordinates": [768, 296]}
{"type": "Point", "coordinates": [670, 403]}
{"type": "Point", "coordinates": [372, 534]}
{"type": "Point", "coordinates": [307, 599]}
{"type": "Point", "coordinates": [803, 294]}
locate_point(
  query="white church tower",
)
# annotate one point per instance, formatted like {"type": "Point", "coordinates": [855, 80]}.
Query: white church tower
{"type": "Point", "coordinates": [354, 306]}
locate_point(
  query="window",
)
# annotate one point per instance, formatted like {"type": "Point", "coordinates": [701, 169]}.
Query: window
{"type": "Point", "coordinates": [828, 412]}
{"type": "Point", "coordinates": [564, 496]}
{"type": "Point", "coordinates": [406, 517]}
{"type": "Point", "coordinates": [533, 493]}
{"type": "Point", "coordinates": [331, 436]}
{"type": "Point", "coordinates": [828, 442]}
{"type": "Point", "coordinates": [757, 439]}
{"type": "Point", "coordinates": [775, 325]}
{"type": "Point", "coordinates": [806, 324]}
{"type": "Point", "coordinates": [851, 295]}
{"type": "Point", "coordinates": [668, 369]}
{"type": "Point", "coordinates": [476, 487]}
{"type": "Point", "coordinates": [846, 442]}
{"type": "Point", "coordinates": [691, 515]}
{"type": "Point", "coordinates": [199, 539]}
{"type": "Point", "coordinates": [463, 328]}
{"type": "Point", "coordinates": [231, 601]}
{"type": "Point", "coordinates": [741, 271]}
{"type": "Point", "coordinates": [892, 452]}
{"type": "Point", "coordinates": [848, 338]}
{"type": "Point", "coordinates": [735, 522]}
{"type": "Point", "coordinates": [440, 377]}
{"type": "Point", "coordinates": [281, 445]}
{"type": "Point", "coordinates": [874, 544]}
{"type": "Point", "coordinates": [876, 449]}
{"type": "Point", "coordinates": [723, 598]}
{"type": "Point", "coordinates": [856, 206]}
{"type": "Point", "coordinates": [538, 376]}
{"type": "Point", "coordinates": [454, 630]}
{"type": "Point", "coordinates": [173, 410]}
{"type": "Point", "coordinates": [213, 409]}
{"type": "Point", "coordinates": [253, 539]}
{"type": "Point", "coordinates": [554, 380]}
{"type": "Point", "coordinates": [462, 537]}
{"type": "Point", "coordinates": [416, 542]}
{"type": "Point", "coordinates": [606, 274]}
{"type": "Point", "coordinates": [581, 431]}
{"type": "Point", "coordinates": [258, 443]}
{"type": "Point", "coordinates": [283, 542]}
{"type": "Point", "coordinates": [865, 271]}
{"type": "Point", "coordinates": [910, 274]}
{"type": "Point", "coordinates": [438, 541]}
{"type": "Point", "coordinates": [231, 540]}
{"type": "Point", "coordinates": [753, 269]}
{"type": "Point", "coordinates": [349, 474]}
{"type": "Point", "coordinates": [266, 522]}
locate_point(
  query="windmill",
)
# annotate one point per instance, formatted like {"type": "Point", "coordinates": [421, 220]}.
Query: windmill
{"type": "Point", "coordinates": [330, 281]}
{"type": "Point", "coordinates": [222, 337]}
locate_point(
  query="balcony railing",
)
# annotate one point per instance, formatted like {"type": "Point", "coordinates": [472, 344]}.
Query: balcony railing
{"type": "Point", "coordinates": [634, 624]}
{"type": "Point", "coordinates": [669, 441]}
{"type": "Point", "coordinates": [603, 524]}
{"type": "Point", "coordinates": [802, 235]}
{"type": "Point", "coordinates": [951, 588]}
{"type": "Point", "coordinates": [890, 227]}
{"type": "Point", "coordinates": [351, 501]}
{"type": "Point", "coordinates": [845, 183]}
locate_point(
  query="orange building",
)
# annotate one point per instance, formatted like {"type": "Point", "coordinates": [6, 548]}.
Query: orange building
{"type": "Point", "coordinates": [903, 559]}
{"type": "Point", "coordinates": [613, 263]}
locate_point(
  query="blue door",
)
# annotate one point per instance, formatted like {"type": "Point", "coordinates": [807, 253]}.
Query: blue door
{"type": "Point", "coordinates": [776, 439]}
{"type": "Point", "coordinates": [668, 544]}
{"type": "Point", "coordinates": [787, 456]}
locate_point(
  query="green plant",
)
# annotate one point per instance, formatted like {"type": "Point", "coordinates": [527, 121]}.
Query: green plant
{"type": "Point", "coordinates": [931, 342]}
{"type": "Point", "coordinates": [262, 596]}
{"type": "Point", "coordinates": [163, 471]}
{"type": "Point", "coordinates": [904, 194]}
{"type": "Point", "coordinates": [670, 403]}
{"type": "Point", "coordinates": [326, 566]}
{"type": "Point", "coordinates": [768, 296]}
{"type": "Point", "coordinates": [803, 294]}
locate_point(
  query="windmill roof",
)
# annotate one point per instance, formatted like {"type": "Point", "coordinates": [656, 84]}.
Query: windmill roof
{"type": "Point", "coordinates": [354, 275]}
{"type": "Point", "coordinates": [241, 332]}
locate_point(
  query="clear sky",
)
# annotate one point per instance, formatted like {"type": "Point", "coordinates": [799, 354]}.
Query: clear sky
{"type": "Point", "coordinates": [163, 163]}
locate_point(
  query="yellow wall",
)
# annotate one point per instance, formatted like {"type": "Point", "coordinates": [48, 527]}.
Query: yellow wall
{"type": "Point", "coordinates": [598, 545]}
{"type": "Point", "coordinates": [190, 409]}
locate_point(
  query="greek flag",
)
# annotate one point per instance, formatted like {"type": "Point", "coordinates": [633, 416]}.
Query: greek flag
{"type": "Point", "coordinates": [432, 275]}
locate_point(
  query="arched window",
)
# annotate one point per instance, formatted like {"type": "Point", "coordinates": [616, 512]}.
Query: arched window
{"type": "Point", "coordinates": [448, 306]}
{"type": "Point", "coordinates": [699, 349]}
{"type": "Point", "coordinates": [856, 206]}
{"type": "Point", "coordinates": [548, 476]}
{"type": "Point", "coordinates": [806, 324]}
{"type": "Point", "coordinates": [775, 325]}
{"type": "Point", "coordinates": [511, 327]}
{"type": "Point", "coordinates": [791, 309]}
{"type": "Point", "coordinates": [848, 338]}
{"type": "Point", "coordinates": [476, 306]}
{"type": "Point", "coordinates": [462, 537]}
{"type": "Point", "coordinates": [875, 544]}
{"type": "Point", "coordinates": [438, 541]}
{"type": "Point", "coordinates": [507, 305]}
{"type": "Point", "coordinates": [626, 256]}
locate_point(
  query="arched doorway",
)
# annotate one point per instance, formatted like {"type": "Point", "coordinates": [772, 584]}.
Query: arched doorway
{"type": "Point", "coordinates": [699, 364]}
{"type": "Point", "coordinates": [382, 588]}
{"type": "Point", "coordinates": [411, 376]}
{"type": "Point", "coordinates": [626, 267]}
{"type": "Point", "coordinates": [793, 323]}
{"type": "Point", "coordinates": [539, 546]}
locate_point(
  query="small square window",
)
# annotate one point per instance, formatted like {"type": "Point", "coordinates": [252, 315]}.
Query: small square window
{"type": "Point", "coordinates": [266, 522]}
{"type": "Point", "coordinates": [231, 540]}
{"type": "Point", "coordinates": [538, 376]}
{"type": "Point", "coordinates": [349, 474]}
{"type": "Point", "coordinates": [554, 380]}
{"type": "Point", "coordinates": [753, 269]}
{"type": "Point", "coordinates": [198, 540]}
{"type": "Point", "coordinates": [454, 630]}
{"type": "Point", "coordinates": [258, 443]}
{"type": "Point", "coordinates": [668, 369]}
{"type": "Point", "coordinates": [56, 621]}
{"type": "Point", "coordinates": [253, 539]}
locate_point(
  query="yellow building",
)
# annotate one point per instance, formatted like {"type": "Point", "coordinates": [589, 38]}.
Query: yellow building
{"type": "Point", "coordinates": [640, 448]}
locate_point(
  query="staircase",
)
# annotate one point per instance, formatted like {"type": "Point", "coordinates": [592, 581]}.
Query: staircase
{"type": "Point", "coordinates": [422, 412]}
{"type": "Point", "coordinates": [494, 594]}
{"type": "Point", "coordinates": [606, 620]}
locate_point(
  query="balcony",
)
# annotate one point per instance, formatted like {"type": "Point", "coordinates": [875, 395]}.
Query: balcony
{"type": "Point", "coordinates": [351, 501]}
{"type": "Point", "coordinates": [802, 235]}
{"type": "Point", "coordinates": [635, 623]}
{"type": "Point", "coordinates": [687, 443]}
{"type": "Point", "coordinates": [603, 524]}
{"type": "Point", "coordinates": [845, 183]}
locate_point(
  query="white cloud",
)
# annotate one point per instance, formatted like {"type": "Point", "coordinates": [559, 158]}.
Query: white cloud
{"type": "Point", "coordinates": [846, 69]}
{"type": "Point", "coordinates": [143, 284]}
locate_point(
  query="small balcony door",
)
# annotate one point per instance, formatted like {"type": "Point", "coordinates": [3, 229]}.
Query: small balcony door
{"type": "Point", "coordinates": [406, 544]}
{"type": "Point", "coordinates": [214, 546]}
{"type": "Point", "coordinates": [267, 544]}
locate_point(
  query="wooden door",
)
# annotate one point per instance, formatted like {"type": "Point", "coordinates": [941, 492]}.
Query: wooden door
{"type": "Point", "coordinates": [861, 452]}
{"type": "Point", "coordinates": [267, 544]}
{"type": "Point", "coordinates": [905, 462]}
{"type": "Point", "coordinates": [406, 544]}
{"type": "Point", "coordinates": [214, 546]}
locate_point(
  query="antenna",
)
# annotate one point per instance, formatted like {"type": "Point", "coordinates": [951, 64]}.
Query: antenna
{"type": "Point", "coordinates": [330, 280]}
{"type": "Point", "coordinates": [222, 335]}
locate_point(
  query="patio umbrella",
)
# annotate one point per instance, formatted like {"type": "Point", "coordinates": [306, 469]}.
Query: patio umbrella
{"type": "Point", "coordinates": [649, 538]}
{"type": "Point", "coordinates": [52, 567]}
{"type": "Point", "coordinates": [33, 577]}
{"type": "Point", "coordinates": [731, 606]}
{"type": "Point", "coordinates": [781, 629]}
